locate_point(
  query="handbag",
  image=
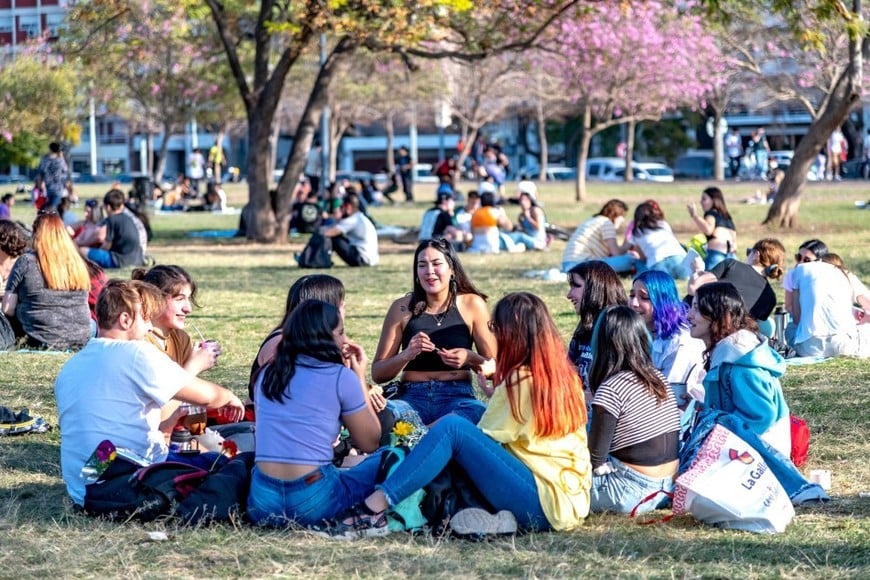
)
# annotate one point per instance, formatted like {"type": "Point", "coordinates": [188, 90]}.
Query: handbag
{"type": "Point", "coordinates": [729, 485]}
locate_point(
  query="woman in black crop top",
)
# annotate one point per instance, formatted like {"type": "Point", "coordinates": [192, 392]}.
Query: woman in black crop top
{"type": "Point", "coordinates": [429, 336]}
{"type": "Point", "coordinates": [634, 435]}
{"type": "Point", "coordinates": [717, 225]}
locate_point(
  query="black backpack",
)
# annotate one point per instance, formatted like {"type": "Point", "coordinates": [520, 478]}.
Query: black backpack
{"type": "Point", "coordinates": [317, 253]}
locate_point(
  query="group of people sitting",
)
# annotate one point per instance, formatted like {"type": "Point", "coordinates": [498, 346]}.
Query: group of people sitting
{"type": "Point", "coordinates": [482, 225]}
{"type": "Point", "coordinates": [591, 426]}
{"type": "Point", "coordinates": [51, 277]}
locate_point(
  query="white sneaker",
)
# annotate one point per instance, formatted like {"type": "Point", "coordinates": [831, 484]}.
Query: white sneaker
{"type": "Point", "coordinates": [475, 521]}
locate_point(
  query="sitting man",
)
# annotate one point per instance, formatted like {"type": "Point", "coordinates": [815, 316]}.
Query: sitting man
{"type": "Point", "coordinates": [115, 386]}
{"type": "Point", "coordinates": [354, 237]}
{"type": "Point", "coordinates": [118, 236]}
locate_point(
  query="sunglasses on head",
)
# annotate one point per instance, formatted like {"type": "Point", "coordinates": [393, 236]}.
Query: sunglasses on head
{"type": "Point", "coordinates": [803, 259]}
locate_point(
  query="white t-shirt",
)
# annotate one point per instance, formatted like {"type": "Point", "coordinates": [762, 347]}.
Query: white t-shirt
{"type": "Point", "coordinates": [658, 244]}
{"type": "Point", "coordinates": [680, 359]}
{"type": "Point", "coordinates": [362, 234]}
{"type": "Point", "coordinates": [113, 389]}
{"type": "Point", "coordinates": [825, 297]}
{"type": "Point", "coordinates": [197, 166]}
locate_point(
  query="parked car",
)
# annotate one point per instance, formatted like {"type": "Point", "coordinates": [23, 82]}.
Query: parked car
{"type": "Point", "coordinates": [554, 173]}
{"type": "Point", "coordinates": [425, 174]}
{"type": "Point", "coordinates": [652, 172]}
{"type": "Point", "coordinates": [697, 165]}
{"type": "Point", "coordinates": [603, 167]}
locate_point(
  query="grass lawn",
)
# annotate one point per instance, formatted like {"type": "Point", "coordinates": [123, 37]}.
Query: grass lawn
{"type": "Point", "coordinates": [242, 292]}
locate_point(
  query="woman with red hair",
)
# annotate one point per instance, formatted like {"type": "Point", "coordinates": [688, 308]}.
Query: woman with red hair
{"type": "Point", "coordinates": [47, 290]}
{"type": "Point", "coordinates": [527, 455]}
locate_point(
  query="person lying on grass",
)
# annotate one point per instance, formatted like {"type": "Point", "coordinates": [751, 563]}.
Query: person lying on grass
{"type": "Point", "coordinates": [114, 387]}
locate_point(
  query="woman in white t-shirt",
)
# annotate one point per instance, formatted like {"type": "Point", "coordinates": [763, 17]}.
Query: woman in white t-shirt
{"type": "Point", "coordinates": [652, 237]}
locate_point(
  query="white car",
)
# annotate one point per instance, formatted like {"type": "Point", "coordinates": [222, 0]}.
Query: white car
{"type": "Point", "coordinates": [652, 172]}
{"type": "Point", "coordinates": [424, 174]}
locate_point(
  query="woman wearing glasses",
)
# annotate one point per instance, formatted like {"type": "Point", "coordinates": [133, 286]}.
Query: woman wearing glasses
{"type": "Point", "coordinates": [436, 336]}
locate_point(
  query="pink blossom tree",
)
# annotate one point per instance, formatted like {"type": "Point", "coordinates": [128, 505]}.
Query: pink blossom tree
{"type": "Point", "coordinates": [627, 62]}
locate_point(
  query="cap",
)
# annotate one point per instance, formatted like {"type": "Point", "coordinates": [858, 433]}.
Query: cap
{"type": "Point", "coordinates": [486, 187]}
{"type": "Point", "coordinates": [527, 187]}
{"type": "Point", "coordinates": [444, 196]}
{"type": "Point", "coordinates": [91, 203]}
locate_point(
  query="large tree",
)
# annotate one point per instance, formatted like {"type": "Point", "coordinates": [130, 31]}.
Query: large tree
{"type": "Point", "coordinates": [820, 64]}
{"type": "Point", "coordinates": [278, 33]}
{"type": "Point", "coordinates": [629, 62]}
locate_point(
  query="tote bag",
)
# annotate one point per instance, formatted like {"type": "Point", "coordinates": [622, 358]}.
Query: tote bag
{"type": "Point", "coordinates": [729, 485]}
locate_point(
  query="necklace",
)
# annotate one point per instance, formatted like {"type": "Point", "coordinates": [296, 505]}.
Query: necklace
{"type": "Point", "coordinates": [439, 320]}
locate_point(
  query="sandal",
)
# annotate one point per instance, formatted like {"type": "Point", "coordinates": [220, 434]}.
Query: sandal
{"type": "Point", "coordinates": [358, 521]}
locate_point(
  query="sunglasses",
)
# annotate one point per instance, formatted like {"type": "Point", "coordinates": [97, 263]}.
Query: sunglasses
{"type": "Point", "coordinates": [804, 259]}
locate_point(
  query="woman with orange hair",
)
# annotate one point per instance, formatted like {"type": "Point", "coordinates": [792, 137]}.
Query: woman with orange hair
{"type": "Point", "coordinates": [527, 455]}
{"type": "Point", "coordinates": [47, 290]}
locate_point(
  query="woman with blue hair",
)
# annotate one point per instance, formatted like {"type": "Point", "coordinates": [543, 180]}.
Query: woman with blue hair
{"type": "Point", "coordinates": [678, 356]}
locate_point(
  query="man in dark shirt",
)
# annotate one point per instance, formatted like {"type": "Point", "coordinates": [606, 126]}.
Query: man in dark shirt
{"type": "Point", "coordinates": [118, 235]}
{"type": "Point", "coordinates": [54, 173]}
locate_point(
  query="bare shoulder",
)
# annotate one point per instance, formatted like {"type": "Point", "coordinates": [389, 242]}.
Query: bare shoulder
{"type": "Point", "coordinates": [400, 309]}
{"type": "Point", "coordinates": [471, 304]}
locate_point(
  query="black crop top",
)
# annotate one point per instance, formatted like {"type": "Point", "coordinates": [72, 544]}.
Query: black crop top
{"type": "Point", "coordinates": [452, 332]}
{"type": "Point", "coordinates": [721, 222]}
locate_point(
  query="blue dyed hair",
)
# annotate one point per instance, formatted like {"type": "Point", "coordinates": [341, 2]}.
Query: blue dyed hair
{"type": "Point", "coordinates": [669, 312]}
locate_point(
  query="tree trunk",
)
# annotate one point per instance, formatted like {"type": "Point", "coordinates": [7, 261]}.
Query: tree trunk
{"type": "Point", "coordinates": [391, 138]}
{"type": "Point", "coordinates": [261, 217]}
{"type": "Point", "coordinates": [583, 154]}
{"type": "Point", "coordinates": [718, 149]}
{"type": "Point", "coordinates": [469, 136]}
{"type": "Point", "coordinates": [629, 150]}
{"type": "Point", "coordinates": [845, 97]}
{"type": "Point", "coordinates": [544, 158]}
{"type": "Point", "coordinates": [164, 150]}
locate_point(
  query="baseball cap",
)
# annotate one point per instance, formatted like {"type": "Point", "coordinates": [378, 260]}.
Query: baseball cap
{"type": "Point", "coordinates": [527, 187]}
{"type": "Point", "coordinates": [91, 203]}
{"type": "Point", "coordinates": [486, 187]}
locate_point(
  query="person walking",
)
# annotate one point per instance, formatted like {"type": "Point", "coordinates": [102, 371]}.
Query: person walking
{"type": "Point", "coordinates": [734, 149]}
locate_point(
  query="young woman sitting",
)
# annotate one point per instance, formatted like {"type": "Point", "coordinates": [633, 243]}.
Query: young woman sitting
{"type": "Point", "coordinates": [653, 238]}
{"type": "Point", "coordinates": [47, 290]}
{"type": "Point", "coordinates": [595, 239]}
{"type": "Point", "coordinates": [742, 370]}
{"type": "Point", "coordinates": [717, 225]}
{"type": "Point", "coordinates": [315, 384]}
{"type": "Point", "coordinates": [678, 356]}
{"type": "Point", "coordinates": [528, 454]}
{"type": "Point", "coordinates": [592, 287]}
{"type": "Point", "coordinates": [634, 438]}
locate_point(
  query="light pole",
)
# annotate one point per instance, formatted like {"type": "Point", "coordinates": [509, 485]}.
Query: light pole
{"type": "Point", "coordinates": [324, 130]}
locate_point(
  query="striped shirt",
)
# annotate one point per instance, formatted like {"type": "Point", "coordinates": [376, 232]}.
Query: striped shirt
{"type": "Point", "coordinates": [639, 416]}
{"type": "Point", "coordinates": [589, 240]}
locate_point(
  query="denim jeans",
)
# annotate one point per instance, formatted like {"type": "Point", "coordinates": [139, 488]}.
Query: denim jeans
{"type": "Point", "coordinates": [621, 490]}
{"type": "Point", "coordinates": [799, 490]}
{"type": "Point", "coordinates": [102, 258]}
{"type": "Point", "coordinates": [504, 480]}
{"type": "Point", "coordinates": [435, 399]}
{"type": "Point", "coordinates": [714, 257]}
{"type": "Point", "coordinates": [308, 500]}
{"type": "Point", "coordinates": [524, 239]}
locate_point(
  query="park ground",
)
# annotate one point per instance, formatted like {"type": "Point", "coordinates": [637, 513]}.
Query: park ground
{"type": "Point", "coordinates": [243, 287]}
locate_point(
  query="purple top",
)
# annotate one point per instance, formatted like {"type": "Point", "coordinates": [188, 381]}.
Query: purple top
{"type": "Point", "coordinates": [303, 428]}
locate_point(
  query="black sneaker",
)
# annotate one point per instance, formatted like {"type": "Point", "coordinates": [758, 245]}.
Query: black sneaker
{"type": "Point", "coordinates": [356, 522]}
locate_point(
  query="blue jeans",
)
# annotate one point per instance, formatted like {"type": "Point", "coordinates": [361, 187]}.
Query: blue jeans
{"type": "Point", "coordinates": [435, 399]}
{"type": "Point", "coordinates": [102, 258]}
{"type": "Point", "coordinates": [621, 490]}
{"type": "Point", "coordinates": [524, 239]}
{"type": "Point", "coordinates": [504, 480]}
{"type": "Point", "coordinates": [672, 265]}
{"type": "Point", "coordinates": [799, 490]}
{"type": "Point", "coordinates": [308, 500]}
{"type": "Point", "coordinates": [714, 257]}
{"type": "Point", "coordinates": [621, 264]}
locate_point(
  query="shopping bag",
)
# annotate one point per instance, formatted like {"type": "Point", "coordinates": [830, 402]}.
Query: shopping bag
{"type": "Point", "coordinates": [729, 485]}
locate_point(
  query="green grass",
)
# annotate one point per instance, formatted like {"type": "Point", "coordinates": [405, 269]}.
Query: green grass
{"type": "Point", "coordinates": [243, 287]}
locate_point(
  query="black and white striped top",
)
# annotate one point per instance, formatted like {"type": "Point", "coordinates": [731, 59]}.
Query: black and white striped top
{"type": "Point", "coordinates": [639, 416]}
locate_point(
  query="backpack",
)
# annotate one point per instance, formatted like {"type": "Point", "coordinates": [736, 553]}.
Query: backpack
{"type": "Point", "coordinates": [307, 217]}
{"type": "Point", "coordinates": [317, 253]}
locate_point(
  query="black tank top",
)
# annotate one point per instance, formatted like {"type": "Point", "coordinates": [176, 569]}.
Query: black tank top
{"type": "Point", "coordinates": [721, 221]}
{"type": "Point", "coordinates": [452, 332]}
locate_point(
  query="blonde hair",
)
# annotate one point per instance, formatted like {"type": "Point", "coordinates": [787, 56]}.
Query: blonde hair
{"type": "Point", "coordinates": [59, 261]}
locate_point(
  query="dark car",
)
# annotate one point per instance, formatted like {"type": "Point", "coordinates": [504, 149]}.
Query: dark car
{"type": "Point", "coordinates": [697, 165]}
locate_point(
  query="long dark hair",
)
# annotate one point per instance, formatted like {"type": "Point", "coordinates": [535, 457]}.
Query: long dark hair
{"type": "Point", "coordinates": [459, 282]}
{"type": "Point", "coordinates": [716, 195]}
{"type": "Point", "coordinates": [723, 305]}
{"type": "Point", "coordinates": [620, 342]}
{"type": "Point", "coordinates": [603, 289]}
{"type": "Point", "coordinates": [321, 287]}
{"type": "Point", "coordinates": [648, 216]}
{"type": "Point", "coordinates": [308, 331]}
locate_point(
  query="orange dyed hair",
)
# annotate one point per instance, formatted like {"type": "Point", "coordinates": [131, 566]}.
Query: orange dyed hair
{"type": "Point", "coordinates": [59, 260]}
{"type": "Point", "coordinates": [529, 340]}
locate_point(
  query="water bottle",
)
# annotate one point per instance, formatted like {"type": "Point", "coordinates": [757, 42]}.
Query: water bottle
{"type": "Point", "coordinates": [181, 440]}
{"type": "Point", "coordinates": [780, 317]}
